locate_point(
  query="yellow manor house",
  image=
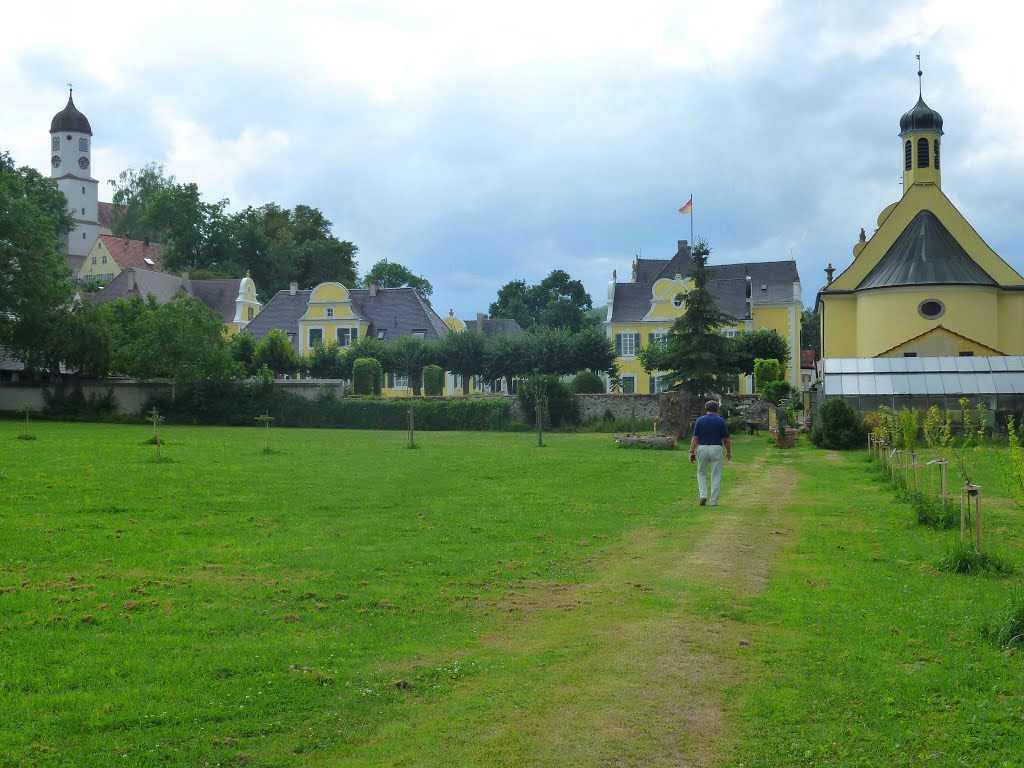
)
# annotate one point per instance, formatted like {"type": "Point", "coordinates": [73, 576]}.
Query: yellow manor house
{"type": "Point", "coordinates": [641, 311]}
{"type": "Point", "coordinates": [924, 284]}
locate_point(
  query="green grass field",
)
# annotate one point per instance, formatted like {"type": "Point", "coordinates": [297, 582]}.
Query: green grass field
{"type": "Point", "coordinates": [481, 602]}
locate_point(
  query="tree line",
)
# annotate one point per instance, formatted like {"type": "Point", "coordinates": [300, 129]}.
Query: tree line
{"type": "Point", "coordinates": [466, 353]}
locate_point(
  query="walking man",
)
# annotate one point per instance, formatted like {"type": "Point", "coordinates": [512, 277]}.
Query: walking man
{"type": "Point", "coordinates": [710, 441]}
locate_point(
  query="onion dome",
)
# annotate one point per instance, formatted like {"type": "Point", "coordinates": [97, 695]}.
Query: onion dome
{"type": "Point", "coordinates": [70, 120]}
{"type": "Point", "coordinates": [921, 118]}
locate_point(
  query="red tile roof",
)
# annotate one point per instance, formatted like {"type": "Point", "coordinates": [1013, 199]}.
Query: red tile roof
{"type": "Point", "coordinates": [105, 217]}
{"type": "Point", "coordinates": [807, 358]}
{"type": "Point", "coordinates": [133, 253]}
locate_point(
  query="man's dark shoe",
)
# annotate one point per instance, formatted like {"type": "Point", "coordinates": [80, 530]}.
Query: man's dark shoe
{"type": "Point", "coordinates": [703, 502]}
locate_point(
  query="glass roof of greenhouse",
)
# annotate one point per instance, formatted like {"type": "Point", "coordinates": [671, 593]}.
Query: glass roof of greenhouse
{"type": "Point", "coordinates": [937, 376]}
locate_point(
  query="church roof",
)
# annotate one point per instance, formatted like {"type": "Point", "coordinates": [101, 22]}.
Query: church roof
{"type": "Point", "coordinates": [920, 117]}
{"type": "Point", "coordinates": [925, 253]}
{"type": "Point", "coordinates": [70, 119]}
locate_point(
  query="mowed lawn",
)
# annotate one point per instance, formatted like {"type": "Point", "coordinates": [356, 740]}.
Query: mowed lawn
{"type": "Point", "coordinates": [480, 601]}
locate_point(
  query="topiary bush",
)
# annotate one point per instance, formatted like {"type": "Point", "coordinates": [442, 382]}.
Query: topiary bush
{"type": "Point", "coordinates": [366, 376]}
{"type": "Point", "coordinates": [765, 371]}
{"type": "Point", "coordinates": [433, 380]}
{"type": "Point", "coordinates": [838, 427]}
{"type": "Point", "coordinates": [587, 383]}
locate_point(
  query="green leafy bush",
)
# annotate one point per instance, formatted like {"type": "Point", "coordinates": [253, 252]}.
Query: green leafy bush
{"type": "Point", "coordinates": [75, 405]}
{"type": "Point", "coordinates": [766, 370]}
{"type": "Point", "coordinates": [367, 376]}
{"type": "Point", "coordinates": [433, 380]}
{"type": "Point", "coordinates": [775, 392]}
{"type": "Point", "coordinates": [562, 408]}
{"type": "Point", "coordinates": [838, 427]}
{"type": "Point", "coordinates": [587, 383]}
{"type": "Point", "coordinates": [239, 404]}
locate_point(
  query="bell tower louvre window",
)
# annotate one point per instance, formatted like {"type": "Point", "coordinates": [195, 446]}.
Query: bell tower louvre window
{"type": "Point", "coordinates": [922, 153]}
{"type": "Point", "coordinates": [908, 156]}
{"type": "Point", "coordinates": [936, 154]}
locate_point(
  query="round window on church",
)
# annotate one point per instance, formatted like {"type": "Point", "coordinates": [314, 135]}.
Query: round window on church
{"type": "Point", "coordinates": [931, 309]}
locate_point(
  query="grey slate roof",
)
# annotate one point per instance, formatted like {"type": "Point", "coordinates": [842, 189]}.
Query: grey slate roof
{"type": "Point", "coordinates": [395, 311]}
{"type": "Point", "coordinates": [926, 253]}
{"type": "Point", "coordinates": [494, 326]}
{"type": "Point", "coordinates": [282, 311]}
{"type": "Point", "coordinates": [398, 312]}
{"type": "Point", "coordinates": [218, 295]}
{"type": "Point", "coordinates": [161, 285]}
{"type": "Point", "coordinates": [728, 284]}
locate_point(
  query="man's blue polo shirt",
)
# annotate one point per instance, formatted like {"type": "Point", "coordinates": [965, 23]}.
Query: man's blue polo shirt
{"type": "Point", "coordinates": [710, 429]}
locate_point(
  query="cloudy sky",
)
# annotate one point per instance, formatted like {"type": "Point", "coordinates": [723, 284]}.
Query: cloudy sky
{"type": "Point", "coordinates": [478, 143]}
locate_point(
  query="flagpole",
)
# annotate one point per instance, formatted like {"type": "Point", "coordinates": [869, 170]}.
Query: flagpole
{"type": "Point", "coordinates": [691, 222]}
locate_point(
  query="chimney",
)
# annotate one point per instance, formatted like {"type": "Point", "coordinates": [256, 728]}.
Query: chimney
{"type": "Point", "coordinates": [131, 278]}
{"type": "Point", "coordinates": [480, 317]}
{"type": "Point", "coordinates": [374, 287]}
{"type": "Point", "coordinates": [293, 288]}
{"type": "Point", "coordinates": [828, 271]}
{"type": "Point", "coordinates": [186, 284]}
{"type": "Point", "coordinates": [682, 245]}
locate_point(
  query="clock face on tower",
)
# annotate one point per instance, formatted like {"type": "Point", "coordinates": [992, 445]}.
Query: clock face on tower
{"type": "Point", "coordinates": [83, 163]}
{"type": "Point", "coordinates": [55, 161]}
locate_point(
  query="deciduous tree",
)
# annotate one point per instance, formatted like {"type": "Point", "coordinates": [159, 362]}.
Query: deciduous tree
{"type": "Point", "coordinates": [391, 274]}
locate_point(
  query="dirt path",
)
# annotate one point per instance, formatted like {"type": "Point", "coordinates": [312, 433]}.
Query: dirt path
{"type": "Point", "coordinates": [648, 686]}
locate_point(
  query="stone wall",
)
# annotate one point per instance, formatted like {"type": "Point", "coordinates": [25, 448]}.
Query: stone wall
{"type": "Point", "coordinates": [750, 407]}
{"type": "Point", "coordinates": [644, 408]}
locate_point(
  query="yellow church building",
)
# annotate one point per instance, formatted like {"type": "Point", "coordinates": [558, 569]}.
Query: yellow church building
{"type": "Point", "coordinates": [925, 284]}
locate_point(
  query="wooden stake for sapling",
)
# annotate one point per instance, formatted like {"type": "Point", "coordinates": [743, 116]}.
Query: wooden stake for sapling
{"type": "Point", "coordinates": [967, 493]}
{"type": "Point", "coordinates": [412, 427]}
{"type": "Point", "coordinates": [540, 419]}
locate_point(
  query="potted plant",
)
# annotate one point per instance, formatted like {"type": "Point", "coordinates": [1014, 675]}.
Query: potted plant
{"type": "Point", "coordinates": [785, 431]}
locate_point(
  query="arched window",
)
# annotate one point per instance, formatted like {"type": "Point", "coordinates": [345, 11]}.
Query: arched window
{"type": "Point", "coordinates": [936, 154]}
{"type": "Point", "coordinates": [908, 156]}
{"type": "Point", "coordinates": [922, 153]}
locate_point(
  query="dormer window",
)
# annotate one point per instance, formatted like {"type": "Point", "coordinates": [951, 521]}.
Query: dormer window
{"type": "Point", "coordinates": [677, 300]}
{"type": "Point", "coordinates": [922, 153]}
{"type": "Point", "coordinates": [380, 335]}
{"type": "Point", "coordinates": [250, 312]}
{"type": "Point", "coordinates": [330, 311]}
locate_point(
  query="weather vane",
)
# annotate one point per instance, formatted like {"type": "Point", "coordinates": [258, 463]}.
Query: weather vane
{"type": "Point", "coordinates": [919, 73]}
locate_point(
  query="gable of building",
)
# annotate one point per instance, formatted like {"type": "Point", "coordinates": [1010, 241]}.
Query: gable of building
{"type": "Point", "coordinates": [897, 219]}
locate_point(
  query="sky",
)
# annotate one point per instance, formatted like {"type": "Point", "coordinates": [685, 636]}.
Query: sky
{"type": "Point", "coordinates": [479, 143]}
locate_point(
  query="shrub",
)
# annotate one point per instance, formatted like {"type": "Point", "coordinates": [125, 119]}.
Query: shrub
{"type": "Point", "coordinates": [587, 383]}
{"type": "Point", "coordinates": [838, 427]}
{"type": "Point", "coordinates": [562, 406]}
{"type": "Point", "coordinates": [366, 376]}
{"type": "Point", "coordinates": [237, 404]}
{"type": "Point", "coordinates": [433, 380]}
{"type": "Point", "coordinates": [963, 557]}
{"type": "Point", "coordinates": [775, 392]}
{"type": "Point", "coordinates": [1007, 629]}
{"type": "Point", "coordinates": [765, 371]}
{"type": "Point", "coordinates": [74, 405]}
{"type": "Point", "coordinates": [932, 512]}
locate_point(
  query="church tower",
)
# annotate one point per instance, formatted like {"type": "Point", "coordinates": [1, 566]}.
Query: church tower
{"type": "Point", "coordinates": [70, 165]}
{"type": "Point", "coordinates": [920, 134]}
